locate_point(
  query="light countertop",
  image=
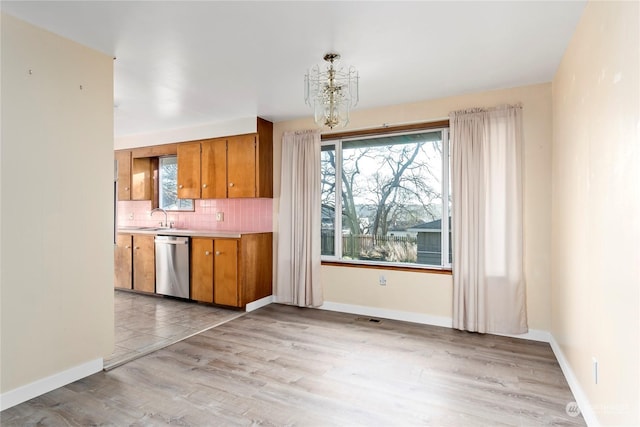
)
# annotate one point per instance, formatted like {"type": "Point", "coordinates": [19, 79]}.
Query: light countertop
{"type": "Point", "coordinates": [184, 232]}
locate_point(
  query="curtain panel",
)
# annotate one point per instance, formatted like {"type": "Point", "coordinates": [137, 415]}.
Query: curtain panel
{"type": "Point", "coordinates": [298, 272]}
{"type": "Point", "coordinates": [486, 173]}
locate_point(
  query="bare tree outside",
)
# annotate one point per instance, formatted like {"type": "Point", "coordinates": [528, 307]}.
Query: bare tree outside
{"type": "Point", "coordinates": [389, 185]}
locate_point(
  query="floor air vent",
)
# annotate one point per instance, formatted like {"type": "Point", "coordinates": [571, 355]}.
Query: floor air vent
{"type": "Point", "coordinates": [368, 319]}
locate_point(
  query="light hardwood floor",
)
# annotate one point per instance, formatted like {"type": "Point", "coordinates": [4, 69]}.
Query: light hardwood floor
{"type": "Point", "coordinates": [284, 365]}
{"type": "Point", "coordinates": [146, 323]}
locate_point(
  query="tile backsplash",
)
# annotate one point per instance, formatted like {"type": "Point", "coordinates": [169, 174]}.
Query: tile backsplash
{"type": "Point", "coordinates": [250, 215]}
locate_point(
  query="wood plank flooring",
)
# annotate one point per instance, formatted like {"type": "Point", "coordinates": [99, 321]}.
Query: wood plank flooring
{"type": "Point", "coordinates": [285, 365]}
{"type": "Point", "coordinates": [146, 323]}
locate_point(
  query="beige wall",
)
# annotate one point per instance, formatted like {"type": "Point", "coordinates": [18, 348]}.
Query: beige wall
{"type": "Point", "coordinates": [430, 294]}
{"type": "Point", "coordinates": [596, 208]}
{"type": "Point", "coordinates": [56, 169]}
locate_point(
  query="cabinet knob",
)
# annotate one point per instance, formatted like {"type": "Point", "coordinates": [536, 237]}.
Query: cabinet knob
{"type": "Point", "coordinates": [207, 253]}
{"type": "Point", "coordinates": [126, 188]}
{"type": "Point", "coordinates": [180, 186]}
{"type": "Point", "coordinates": [137, 247]}
{"type": "Point", "coordinates": [218, 253]}
{"type": "Point", "coordinates": [231, 184]}
{"type": "Point", "coordinates": [204, 185]}
{"type": "Point", "coordinates": [127, 247]}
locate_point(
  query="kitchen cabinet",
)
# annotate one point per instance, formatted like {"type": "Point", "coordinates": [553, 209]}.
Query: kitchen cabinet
{"type": "Point", "coordinates": [189, 170]}
{"type": "Point", "coordinates": [232, 167]}
{"type": "Point", "coordinates": [225, 272]}
{"type": "Point", "coordinates": [202, 269]}
{"type": "Point", "coordinates": [123, 258]}
{"type": "Point", "coordinates": [214, 169]}
{"type": "Point", "coordinates": [144, 268]}
{"type": "Point", "coordinates": [231, 272]}
{"type": "Point", "coordinates": [241, 166]}
{"type": "Point", "coordinates": [142, 172]}
{"type": "Point", "coordinates": [123, 158]}
{"type": "Point", "coordinates": [135, 176]}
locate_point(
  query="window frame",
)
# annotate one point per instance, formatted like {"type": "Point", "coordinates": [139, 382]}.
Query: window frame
{"type": "Point", "coordinates": [336, 140]}
{"type": "Point", "coordinates": [159, 192]}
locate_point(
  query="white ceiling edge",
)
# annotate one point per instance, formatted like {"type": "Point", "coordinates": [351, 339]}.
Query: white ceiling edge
{"type": "Point", "coordinates": [210, 130]}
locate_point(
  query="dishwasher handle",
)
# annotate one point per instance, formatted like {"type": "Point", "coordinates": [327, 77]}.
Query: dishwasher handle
{"type": "Point", "coordinates": [172, 242]}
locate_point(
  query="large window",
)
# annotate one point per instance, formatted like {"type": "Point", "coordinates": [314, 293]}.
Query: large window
{"type": "Point", "coordinates": [168, 188]}
{"type": "Point", "coordinates": [392, 192]}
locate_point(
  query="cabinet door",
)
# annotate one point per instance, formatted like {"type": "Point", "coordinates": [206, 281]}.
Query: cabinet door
{"type": "Point", "coordinates": [241, 166]}
{"type": "Point", "coordinates": [189, 170]}
{"type": "Point", "coordinates": [144, 265]}
{"type": "Point", "coordinates": [202, 270]}
{"type": "Point", "coordinates": [122, 261]}
{"type": "Point", "coordinates": [124, 174]}
{"type": "Point", "coordinates": [214, 169]}
{"type": "Point", "coordinates": [141, 179]}
{"type": "Point", "coordinates": [225, 272]}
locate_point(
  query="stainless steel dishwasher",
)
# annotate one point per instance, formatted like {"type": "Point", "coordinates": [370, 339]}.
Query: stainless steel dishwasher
{"type": "Point", "coordinates": [172, 266]}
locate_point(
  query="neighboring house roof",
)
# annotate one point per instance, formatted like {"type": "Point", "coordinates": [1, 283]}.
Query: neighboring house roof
{"type": "Point", "coordinates": [429, 227]}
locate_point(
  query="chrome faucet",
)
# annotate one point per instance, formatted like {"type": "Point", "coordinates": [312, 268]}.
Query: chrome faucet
{"type": "Point", "coordinates": [166, 220]}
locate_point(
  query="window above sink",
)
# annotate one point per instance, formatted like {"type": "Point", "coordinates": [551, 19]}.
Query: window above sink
{"type": "Point", "coordinates": [168, 188]}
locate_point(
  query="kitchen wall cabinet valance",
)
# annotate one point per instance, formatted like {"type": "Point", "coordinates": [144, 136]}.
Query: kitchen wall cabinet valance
{"type": "Point", "coordinates": [233, 167]}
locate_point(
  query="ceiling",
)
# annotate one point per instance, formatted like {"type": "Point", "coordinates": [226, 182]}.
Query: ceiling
{"type": "Point", "coordinates": [182, 64]}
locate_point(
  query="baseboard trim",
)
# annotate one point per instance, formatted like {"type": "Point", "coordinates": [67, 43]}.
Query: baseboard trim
{"type": "Point", "coordinates": [45, 385]}
{"type": "Point", "coordinates": [384, 313]}
{"type": "Point", "coordinates": [532, 335]}
{"type": "Point", "coordinates": [262, 302]}
{"type": "Point", "coordinates": [578, 393]}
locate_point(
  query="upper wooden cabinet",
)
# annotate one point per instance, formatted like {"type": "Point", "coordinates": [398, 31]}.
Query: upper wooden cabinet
{"type": "Point", "coordinates": [142, 172]}
{"type": "Point", "coordinates": [214, 169]}
{"type": "Point", "coordinates": [233, 167]}
{"type": "Point", "coordinates": [123, 158]}
{"type": "Point", "coordinates": [242, 170]}
{"type": "Point", "coordinates": [135, 176]}
{"type": "Point", "coordinates": [189, 170]}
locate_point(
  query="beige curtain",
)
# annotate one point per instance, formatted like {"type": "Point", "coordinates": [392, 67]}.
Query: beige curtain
{"type": "Point", "coordinates": [486, 175]}
{"type": "Point", "coordinates": [298, 275]}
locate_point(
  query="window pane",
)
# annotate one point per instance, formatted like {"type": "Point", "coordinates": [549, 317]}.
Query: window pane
{"type": "Point", "coordinates": [168, 192]}
{"type": "Point", "coordinates": [328, 194]}
{"type": "Point", "coordinates": [392, 198]}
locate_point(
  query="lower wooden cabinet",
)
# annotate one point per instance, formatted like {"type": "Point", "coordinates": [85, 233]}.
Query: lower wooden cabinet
{"type": "Point", "coordinates": [144, 263]}
{"type": "Point", "coordinates": [231, 272]}
{"type": "Point", "coordinates": [202, 270]}
{"type": "Point", "coordinates": [122, 256]}
{"type": "Point", "coordinates": [225, 273]}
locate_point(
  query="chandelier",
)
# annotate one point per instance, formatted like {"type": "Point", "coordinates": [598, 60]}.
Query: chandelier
{"type": "Point", "coordinates": [331, 92]}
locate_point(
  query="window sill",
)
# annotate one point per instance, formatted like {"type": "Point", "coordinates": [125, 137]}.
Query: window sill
{"type": "Point", "coordinates": [396, 267]}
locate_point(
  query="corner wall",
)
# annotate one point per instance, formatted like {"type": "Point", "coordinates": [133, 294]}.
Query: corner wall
{"type": "Point", "coordinates": [56, 254]}
{"type": "Point", "coordinates": [596, 210]}
{"type": "Point", "coordinates": [429, 296]}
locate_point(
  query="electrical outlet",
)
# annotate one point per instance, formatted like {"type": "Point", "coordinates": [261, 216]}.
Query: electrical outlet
{"type": "Point", "coordinates": [131, 215]}
{"type": "Point", "coordinates": [383, 280]}
{"type": "Point", "coordinates": [219, 216]}
{"type": "Point", "coordinates": [595, 370]}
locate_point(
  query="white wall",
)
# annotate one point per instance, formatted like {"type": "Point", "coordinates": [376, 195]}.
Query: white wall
{"type": "Point", "coordinates": [430, 295]}
{"type": "Point", "coordinates": [56, 211]}
{"type": "Point", "coordinates": [596, 209]}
